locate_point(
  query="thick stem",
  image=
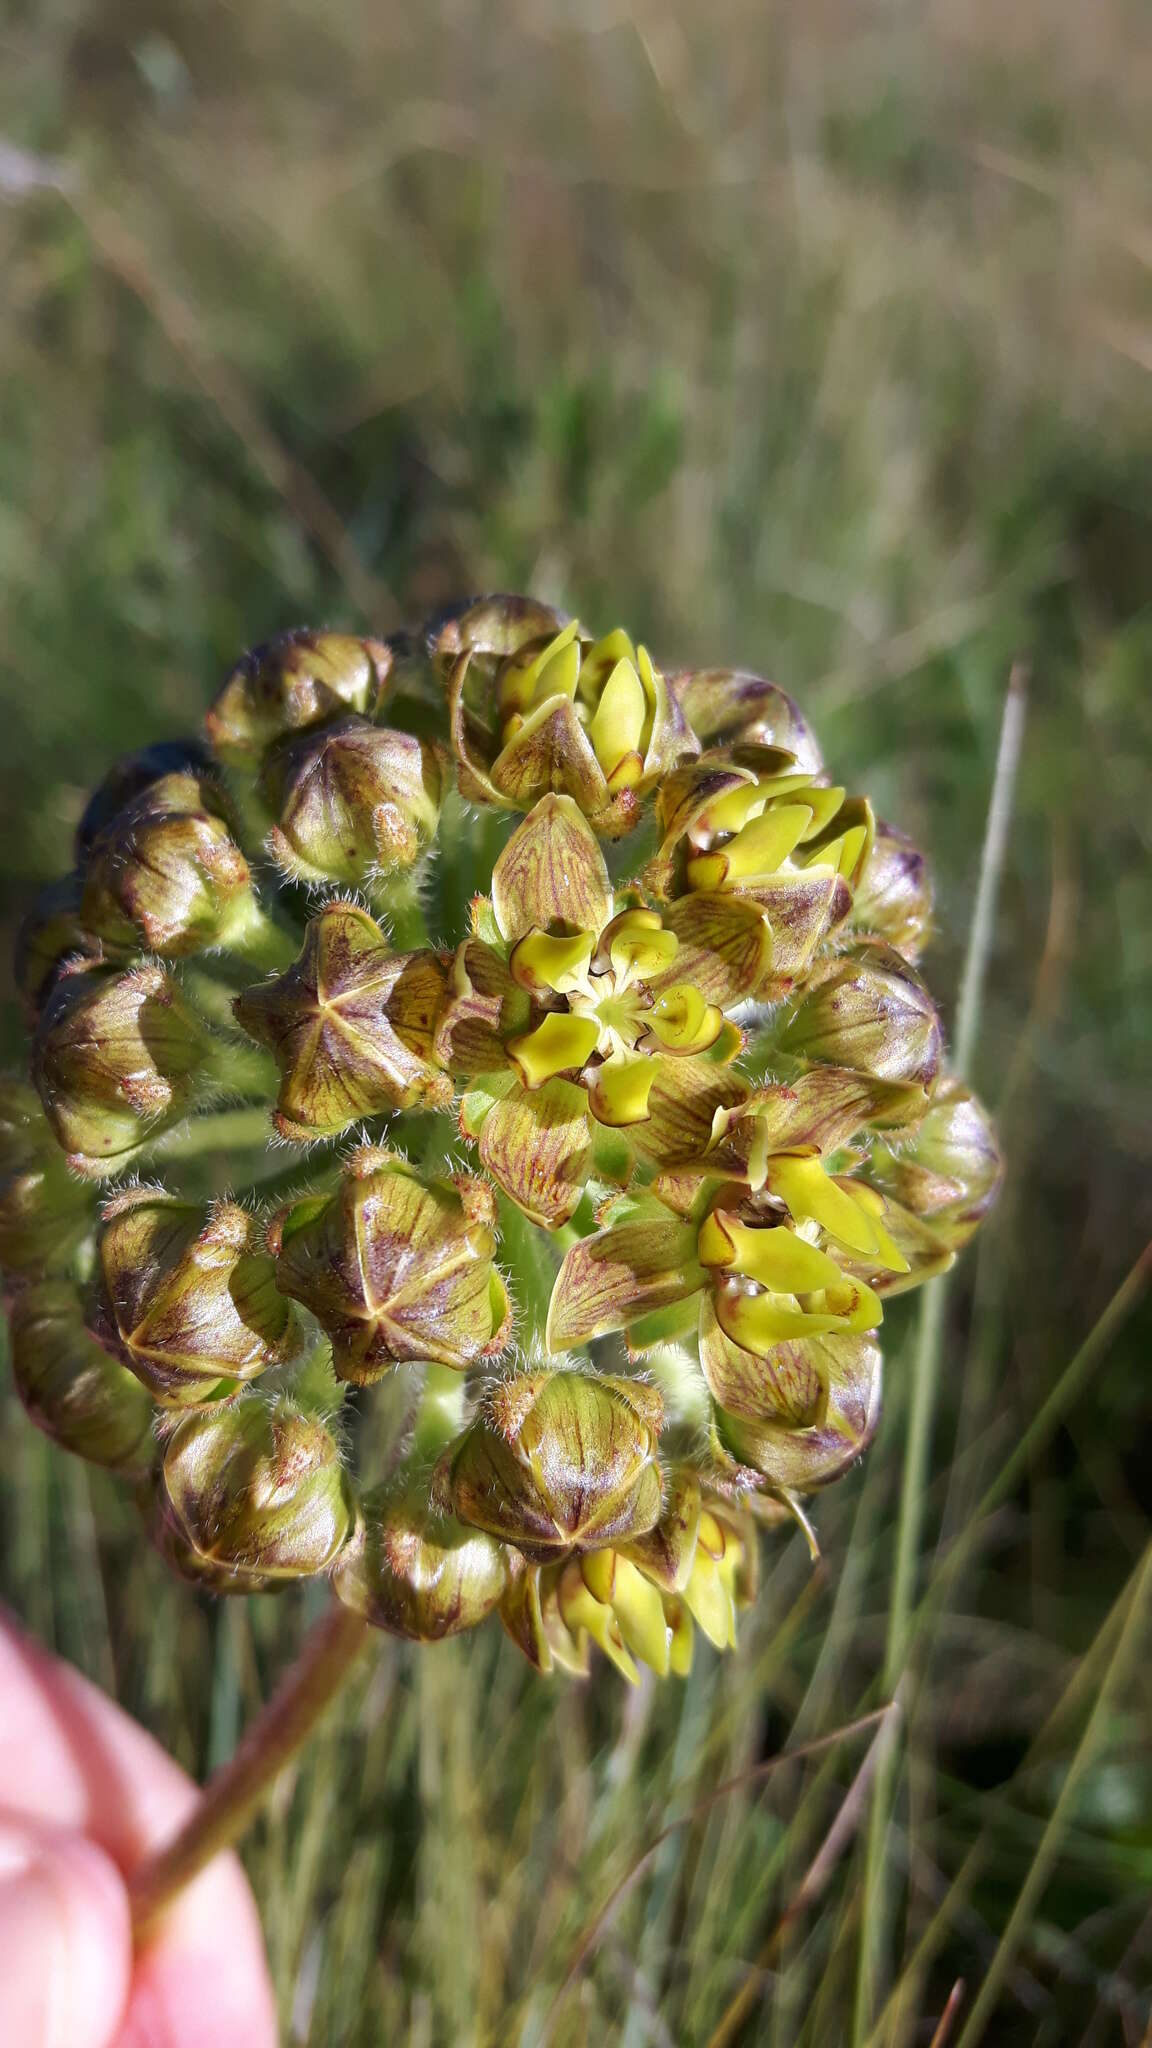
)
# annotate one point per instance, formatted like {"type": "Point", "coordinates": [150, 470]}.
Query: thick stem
{"type": "Point", "coordinates": [232, 1796]}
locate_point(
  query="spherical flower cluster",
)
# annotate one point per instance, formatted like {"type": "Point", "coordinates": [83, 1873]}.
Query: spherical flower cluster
{"type": "Point", "coordinates": [616, 1173]}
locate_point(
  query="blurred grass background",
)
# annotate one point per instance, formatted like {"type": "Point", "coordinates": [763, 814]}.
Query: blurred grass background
{"type": "Point", "coordinates": [817, 339]}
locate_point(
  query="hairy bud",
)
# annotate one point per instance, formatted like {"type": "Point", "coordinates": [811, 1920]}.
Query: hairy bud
{"type": "Point", "coordinates": [354, 803]}
{"type": "Point", "coordinates": [561, 1461]}
{"type": "Point", "coordinates": [115, 1059]}
{"type": "Point", "coordinates": [893, 898]}
{"type": "Point", "coordinates": [948, 1173]}
{"type": "Point", "coordinates": [44, 1211]}
{"type": "Point", "coordinates": [868, 1011]}
{"type": "Point", "coordinates": [259, 1488]}
{"type": "Point", "coordinates": [415, 1570]}
{"type": "Point", "coordinates": [351, 1026]}
{"type": "Point", "coordinates": [84, 1400]}
{"type": "Point", "coordinates": [297, 680]}
{"type": "Point", "coordinates": [188, 1297]}
{"type": "Point", "coordinates": [396, 1267]}
{"type": "Point", "coordinates": [166, 873]}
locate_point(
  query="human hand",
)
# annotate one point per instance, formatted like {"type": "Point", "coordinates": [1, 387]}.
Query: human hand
{"type": "Point", "coordinates": [85, 1794]}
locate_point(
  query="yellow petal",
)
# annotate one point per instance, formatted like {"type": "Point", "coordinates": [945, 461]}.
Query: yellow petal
{"type": "Point", "coordinates": [618, 1091]}
{"type": "Point", "coordinates": [813, 1196]}
{"type": "Point", "coordinates": [559, 1044]}
{"type": "Point", "coordinates": [617, 726]}
{"type": "Point", "coordinates": [682, 1020]}
{"type": "Point", "coordinates": [540, 961]}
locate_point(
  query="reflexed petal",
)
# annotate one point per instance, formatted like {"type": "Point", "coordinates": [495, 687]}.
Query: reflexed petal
{"type": "Point", "coordinates": [758, 1321]}
{"type": "Point", "coordinates": [560, 1044]}
{"type": "Point", "coordinates": [618, 1090]}
{"type": "Point", "coordinates": [552, 867]}
{"type": "Point", "coordinates": [813, 1196]}
{"type": "Point", "coordinates": [536, 1146]}
{"type": "Point", "coordinates": [539, 961]}
{"type": "Point", "coordinates": [758, 849]}
{"type": "Point", "coordinates": [683, 1021]}
{"type": "Point", "coordinates": [775, 1258]}
{"type": "Point", "coordinates": [609, 1280]}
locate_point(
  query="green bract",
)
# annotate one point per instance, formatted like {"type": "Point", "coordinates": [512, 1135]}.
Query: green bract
{"type": "Point", "coordinates": [609, 1150]}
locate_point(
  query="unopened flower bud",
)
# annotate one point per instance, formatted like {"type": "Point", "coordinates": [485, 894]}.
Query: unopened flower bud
{"type": "Point", "coordinates": [415, 1570]}
{"type": "Point", "coordinates": [170, 1542]}
{"type": "Point", "coordinates": [259, 1487]}
{"type": "Point", "coordinates": [44, 1210]}
{"type": "Point", "coordinates": [728, 706]}
{"type": "Point", "coordinates": [496, 627]}
{"type": "Point", "coordinates": [130, 777]}
{"type": "Point", "coordinates": [893, 899]}
{"type": "Point", "coordinates": [167, 875]}
{"type": "Point", "coordinates": [188, 1297]}
{"type": "Point", "coordinates": [948, 1173]}
{"type": "Point", "coordinates": [50, 935]}
{"type": "Point", "coordinates": [870, 1012]}
{"type": "Point", "coordinates": [84, 1400]}
{"type": "Point", "coordinates": [297, 680]}
{"type": "Point", "coordinates": [351, 1026]}
{"type": "Point", "coordinates": [561, 1461]}
{"type": "Point", "coordinates": [797, 1417]}
{"type": "Point", "coordinates": [396, 1267]}
{"type": "Point", "coordinates": [354, 803]}
{"type": "Point", "coordinates": [115, 1060]}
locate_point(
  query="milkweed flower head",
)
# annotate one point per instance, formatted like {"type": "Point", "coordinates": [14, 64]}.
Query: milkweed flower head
{"type": "Point", "coordinates": [492, 1008]}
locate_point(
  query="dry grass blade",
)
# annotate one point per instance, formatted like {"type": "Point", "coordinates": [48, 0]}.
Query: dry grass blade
{"type": "Point", "coordinates": [756, 1775]}
{"type": "Point", "coordinates": [815, 1879]}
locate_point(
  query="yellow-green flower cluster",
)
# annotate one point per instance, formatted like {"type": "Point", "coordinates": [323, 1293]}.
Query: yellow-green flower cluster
{"type": "Point", "coordinates": [636, 1131]}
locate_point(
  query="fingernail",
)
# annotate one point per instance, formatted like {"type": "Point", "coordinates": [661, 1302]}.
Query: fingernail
{"type": "Point", "coordinates": [65, 1945]}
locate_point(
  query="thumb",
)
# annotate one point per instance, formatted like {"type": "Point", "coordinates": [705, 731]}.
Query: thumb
{"type": "Point", "coordinates": [65, 1939]}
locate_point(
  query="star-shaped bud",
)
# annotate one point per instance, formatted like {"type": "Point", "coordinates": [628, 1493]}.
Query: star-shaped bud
{"type": "Point", "coordinates": [351, 1026]}
{"type": "Point", "coordinates": [396, 1266]}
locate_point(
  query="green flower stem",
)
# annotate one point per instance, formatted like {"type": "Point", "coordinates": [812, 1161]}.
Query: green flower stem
{"type": "Point", "coordinates": [526, 1256]}
{"type": "Point", "coordinates": [440, 1416]}
{"type": "Point", "coordinates": [262, 941]}
{"type": "Point", "coordinates": [397, 903]}
{"type": "Point", "coordinates": [233, 1795]}
{"type": "Point", "coordinates": [228, 1130]}
{"type": "Point", "coordinates": [241, 1068]}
